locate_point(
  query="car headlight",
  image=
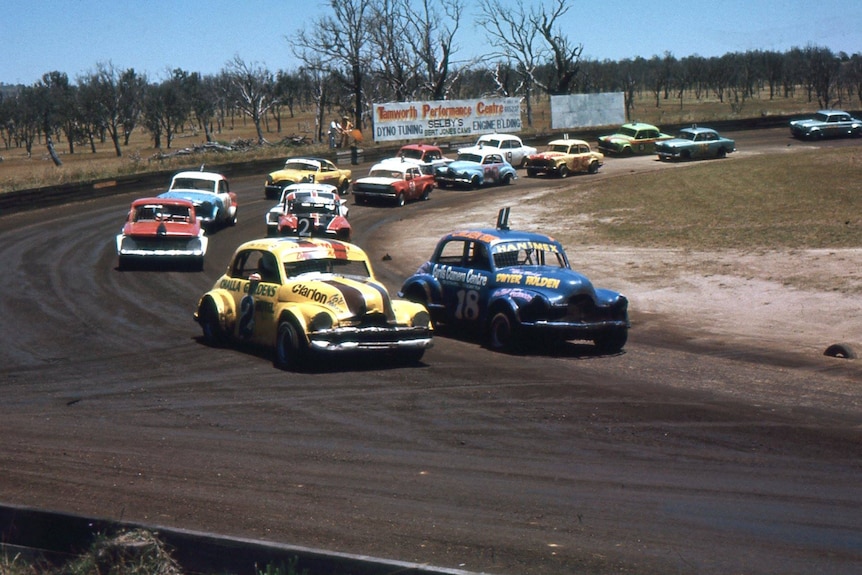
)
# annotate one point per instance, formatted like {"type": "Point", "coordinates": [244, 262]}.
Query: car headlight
{"type": "Point", "coordinates": [320, 322]}
{"type": "Point", "coordinates": [421, 319]}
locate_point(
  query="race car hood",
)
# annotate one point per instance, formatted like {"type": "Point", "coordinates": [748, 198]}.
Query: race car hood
{"type": "Point", "coordinates": [557, 285]}
{"type": "Point", "coordinates": [346, 297]}
{"type": "Point", "coordinates": [547, 155]}
{"type": "Point", "coordinates": [462, 165]}
{"type": "Point", "coordinates": [290, 174]}
{"type": "Point", "coordinates": [376, 181]}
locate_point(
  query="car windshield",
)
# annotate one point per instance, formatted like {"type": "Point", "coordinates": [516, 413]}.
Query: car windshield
{"type": "Point", "coordinates": [300, 165]}
{"type": "Point", "coordinates": [820, 117]}
{"type": "Point", "coordinates": [410, 154]}
{"type": "Point", "coordinates": [493, 142]}
{"type": "Point", "coordinates": [558, 148]}
{"type": "Point", "coordinates": [153, 212]}
{"type": "Point", "coordinates": [687, 136]}
{"type": "Point", "coordinates": [468, 157]}
{"type": "Point", "coordinates": [521, 254]}
{"type": "Point", "coordinates": [350, 268]}
{"type": "Point", "coordinates": [298, 207]}
{"type": "Point", "coordinates": [627, 131]}
{"type": "Point", "coordinates": [380, 173]}
{"type": "Point", "coordinates": [191, 184]}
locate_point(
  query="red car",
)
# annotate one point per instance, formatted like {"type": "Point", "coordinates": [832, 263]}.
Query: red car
{"type": "Point", "coordinates": [394, 180]}
{"type": "Point", "coordinates": [313, 210]}
{"type": "Point", "coordinates": [427, 156]}
{"type": "Point", "coordinates": [162, 230]}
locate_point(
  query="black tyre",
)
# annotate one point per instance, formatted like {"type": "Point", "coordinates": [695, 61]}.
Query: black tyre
{"type": "Point", "coordinates": [840, 350]}
{"type": "Point", "coordinates": [594, 167]}
{"type": "Point", "coordinates": [564, 171]}
{"type": "Point", "coordinates": [475, 183]}
{"type": "Point", "coordinates": [425, 194]}
{"type": "Point", "coordinates": [531, 173]}
{"type": "Point", "coordinates": [503, 332]}
{"type": "Point", "coordinates": [291, 350]}
{"type": "Point", "coordinates": [507, 179]}
{"type": "Point", "coordinates": [721, 153]}
{"type": "Point", "coordinates": [612, 341]}
{"type": "Point", "coordinates": [411, 356]}
{"type": "Point", "coordinates": [208, 318]}
{"type": "Point", "coordinates": [400, 201]}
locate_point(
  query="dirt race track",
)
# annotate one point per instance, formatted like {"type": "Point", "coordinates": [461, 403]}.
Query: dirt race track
{"type": "Point", "coordinates": [696, 451]}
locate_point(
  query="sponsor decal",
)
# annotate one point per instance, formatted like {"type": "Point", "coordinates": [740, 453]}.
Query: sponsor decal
{"type": "Point", "coordinates": [449, 274]}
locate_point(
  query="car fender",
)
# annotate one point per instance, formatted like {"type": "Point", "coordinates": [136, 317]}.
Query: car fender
{"type": "Point", "coordinates": [224, 303]}
{"type": "Point", "coordinates": [427, 284]}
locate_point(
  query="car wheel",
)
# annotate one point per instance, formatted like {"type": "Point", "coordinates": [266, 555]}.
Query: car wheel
{"type": "Point", "coordinates": [685, 155]}
{"type": "Point", "coordinates": [122, 263]}
{"type": "Point", "coordinates": [425, 193]}
{"type": "Point", "coordinates": [503, 332]}
{"type": "Point", "coordinates": [531, 173]}
{"type": "Point", "coordinates": [564, 171]}
{"type": "Point", "coordinates": [208, 318]}
{"type": "Point", "coordinates": [290, 349]}
{"type": "Point", "coordinates": [628, 151]}
{"type": "Point", "coordinates": [411, 356]}
{"type": "Point", "coordinates": [612, 341]}
{"type": "Point", "coordinates": [721, 153]}
{"type": "Point", "coordinates": [234, 219]}
{"type": "Point", "coordinates": [507, 179]}
{"type": "Point", "coordinates": [593, 168]}
{"type": "Point", "coordinates": [475, 183]}
{"type": "Point", "coordinates": [841, 350]}
{"type": "Point", "coordinates": [523, 163]}
{"type": "Point", "coordinates": [400, 201]}
{"type": "Point", "coordinates": [344, 188]}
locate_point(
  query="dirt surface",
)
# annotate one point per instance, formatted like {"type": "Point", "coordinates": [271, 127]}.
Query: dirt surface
{"type": "Point", "coordinates": [721, 440]}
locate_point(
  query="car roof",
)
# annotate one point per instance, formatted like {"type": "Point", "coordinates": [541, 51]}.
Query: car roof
{"type": "Point", "coordinates": [422, 147]}
{"type": "Point", "coordinates": [399, 164]}
{"type": "Point", "coordinates": [640, 126]}
{"type": "Point", "coordinates": [495, 236]}
{"type": "Point", "coordinates": [499, 136]}
{"type": "Point", "coordinates": [210, 176]}
{"type": "Point", "coordinates": [311, 187]}
{"type": "Point", "coordinates": [568, 142]}
{"type": "Point", "coordinates": [291, 249]}
{"type": "Point", "coordinates": [697, 130]}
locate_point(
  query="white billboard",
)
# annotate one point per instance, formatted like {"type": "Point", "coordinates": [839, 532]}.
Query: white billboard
{"type": "Point", "coordinates": [588, 110]}
{"type": "Point", "coordinates": [445, 118]}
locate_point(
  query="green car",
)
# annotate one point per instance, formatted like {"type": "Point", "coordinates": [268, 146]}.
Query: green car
{"type": "Point", "coordinates": [634, 138]}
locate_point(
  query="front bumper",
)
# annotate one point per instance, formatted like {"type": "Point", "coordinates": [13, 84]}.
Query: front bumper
{"type": "Point", "coordinates": [370, 339]}
{"type": "Point", "coordinates": [162, 248]}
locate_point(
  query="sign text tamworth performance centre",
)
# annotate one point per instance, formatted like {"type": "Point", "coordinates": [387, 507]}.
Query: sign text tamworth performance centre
{"type": "Point", "coordinates": [445, 118]}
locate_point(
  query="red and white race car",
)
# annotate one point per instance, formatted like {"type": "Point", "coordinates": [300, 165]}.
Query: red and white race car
{"type": "Point", "coordinates": [309, 209]}
{"type": "Point", "coordinates": [162, 230]}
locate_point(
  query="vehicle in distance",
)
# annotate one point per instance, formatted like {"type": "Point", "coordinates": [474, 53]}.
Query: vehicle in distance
{"type": "Point", "coordinates": [514, 287]}
{"type": "Point", "coordinates": [475, 169]}
{"type": "Point", "coordinates": [632, 138]}
{"type": "Point", "coordinates": [564, 157]}
{"type": "Point", "coordinates": [393, 181]}
{"type": "Point", "coordinates": [162, 230]}
{"type": "Point", "coordinates": [307, 297]}
{"type": "Point", "coordinates": [511, 147]}
{"type": "Point", "coordinates": [826, 124]}
{"type": "Point", "coordinates": [215, 205]}
{"type": "Point", "coordinates": [695, 143]}
{"type": "Point", "coordinates": [296, 170]}
{"type": "Point", "coordinates": [309, 210]}
{"type": "Point", "coordinates": [427, 156]}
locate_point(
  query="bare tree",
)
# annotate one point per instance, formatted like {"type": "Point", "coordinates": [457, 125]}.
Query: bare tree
{"type": "Point", "coordinates": [342, 39]}
{"type": "Point", "coordinates": [564, 53]}
{"type": "Point", "coordinates": [253, 91]}
{"type": "Point", "coordinates": [113, 93]}
{"type": "Point", "coordinates": [434, 43]}
{"type": "Point", "coordinates": [513, 35]}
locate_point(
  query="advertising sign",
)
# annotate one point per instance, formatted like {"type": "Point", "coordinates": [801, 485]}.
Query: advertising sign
{"type": "Point", "coordinates": [434, 119]}
{"type": "Point", "coordinates": [587, 110]}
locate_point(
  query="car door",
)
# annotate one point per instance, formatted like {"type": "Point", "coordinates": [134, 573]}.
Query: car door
{"type": "Point", "coordinates": [256, 278]}
{"type": "Point", "coordinates": [463, 271]}
{"type": "Point", "coordinates": [491, 165]}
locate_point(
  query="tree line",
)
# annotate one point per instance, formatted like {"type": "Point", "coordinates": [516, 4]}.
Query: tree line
{"type": "Point", "coordinates": [411, 53]}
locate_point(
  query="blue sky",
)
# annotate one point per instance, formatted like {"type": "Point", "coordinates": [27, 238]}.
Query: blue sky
{"type": "Point", "coordinates": [155, 36]}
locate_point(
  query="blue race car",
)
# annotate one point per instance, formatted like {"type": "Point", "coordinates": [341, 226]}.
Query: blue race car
{"type": "Point", "coordinates": [475, 168]}
{"type": "Point", "coordinates": [695, 143]}
{"type": "Point", "coordinates": [514, 286]}
{"type": "Point", "coordinates": [215, 204]}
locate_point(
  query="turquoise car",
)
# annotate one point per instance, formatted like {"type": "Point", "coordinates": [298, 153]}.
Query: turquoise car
{"type": "Point", "coordinates": [474, 170]}
{"type": "Point", "coordinates": [695, 143]}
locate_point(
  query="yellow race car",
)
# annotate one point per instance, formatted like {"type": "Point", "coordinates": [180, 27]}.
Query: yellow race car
{"type": "Point", "coordinates": [297, 170]}
{"type": "Point", "coordinates": [306, 297]}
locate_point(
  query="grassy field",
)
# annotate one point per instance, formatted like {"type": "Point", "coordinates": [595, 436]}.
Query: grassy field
{"type": "Point", "coordinates": [18, 171]}
{"type": "Point", "coordinates": [805, 199]}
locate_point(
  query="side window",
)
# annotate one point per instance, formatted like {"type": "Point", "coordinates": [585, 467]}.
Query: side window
{"type": "Point", "coordinates": [222, 187]}
{"type": "Point", "coordinates": [477, 257]}
{"type": "Point", "coordinates": [452, 253]}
